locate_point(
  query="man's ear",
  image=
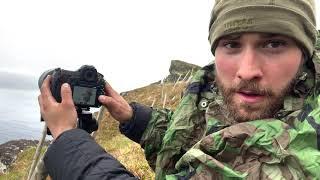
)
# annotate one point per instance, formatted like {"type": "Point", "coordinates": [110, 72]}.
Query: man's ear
{"type": "Point", "coordinates": [305, 77]}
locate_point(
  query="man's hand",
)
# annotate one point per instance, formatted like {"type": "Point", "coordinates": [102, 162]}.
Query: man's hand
{"type": "Point", "coordinates": [116, 105]}
{"type": "Point", "coordinates": [59, 117]}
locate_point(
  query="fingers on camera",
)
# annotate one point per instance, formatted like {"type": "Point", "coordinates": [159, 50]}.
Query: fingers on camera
{"type": "Point", "coordinates": [40, 102]}
{"type": "Point", "coordinates": [110, 91]}
{"type": "Point", "coordinates": [107, 101]}
{"type": "Point", "coordinates": [66, 94]}
{"type": "Point", "coordinates": [45, 90]}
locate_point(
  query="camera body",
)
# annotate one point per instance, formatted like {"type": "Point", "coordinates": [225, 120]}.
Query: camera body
{"type": "Point", "coordinates": [86, 85]}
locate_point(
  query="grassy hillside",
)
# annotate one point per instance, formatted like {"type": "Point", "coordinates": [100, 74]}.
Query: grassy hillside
{"type": "Point", "coordinates": [318, 42]}
{"type": "Point", "coordinates": [126, 151]}
{"type": "Point", "coordinates": [20, 167]}
{"type": "Point", "coordinates": [109, 137]}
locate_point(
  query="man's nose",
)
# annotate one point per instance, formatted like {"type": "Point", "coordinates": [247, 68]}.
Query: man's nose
{"type": "Point", "coordinates": [249, 66]}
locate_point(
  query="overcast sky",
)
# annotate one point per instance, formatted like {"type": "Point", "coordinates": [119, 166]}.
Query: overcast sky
{"type": "Point", "coordinates": [131, 42]}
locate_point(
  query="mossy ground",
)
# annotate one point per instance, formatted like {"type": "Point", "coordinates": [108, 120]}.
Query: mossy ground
{"type": "Point", "coordinates": [19, 169]}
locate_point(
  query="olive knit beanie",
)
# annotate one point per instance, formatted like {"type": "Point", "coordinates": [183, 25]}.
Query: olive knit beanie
{"type": "Point", "coordinates": [293, 18]}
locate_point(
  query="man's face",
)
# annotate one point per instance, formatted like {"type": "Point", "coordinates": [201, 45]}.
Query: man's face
{"type": "Point", "coordinates": [254, 72]}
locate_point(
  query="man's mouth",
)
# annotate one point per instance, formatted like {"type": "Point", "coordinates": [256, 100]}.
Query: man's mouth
{"type": "Point", "coordinates": [248, 96]}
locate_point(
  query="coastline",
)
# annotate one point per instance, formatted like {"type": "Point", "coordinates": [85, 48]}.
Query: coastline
{"type": "Point", "coordinates": [10, 150]}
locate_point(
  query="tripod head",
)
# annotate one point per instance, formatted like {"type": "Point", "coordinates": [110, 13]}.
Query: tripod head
{"type": "Point", "coordinates": [86, 121]}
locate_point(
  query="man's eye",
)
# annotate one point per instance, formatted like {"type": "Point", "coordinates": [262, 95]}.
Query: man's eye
{"type": "Point", "coordinates": [231, 45]}
{"type": "Point", "coordinates": [275, 44]}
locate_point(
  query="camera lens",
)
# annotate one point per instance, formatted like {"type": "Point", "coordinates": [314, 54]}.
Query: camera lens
{"type": "Point", "coordinates": [88, 73]}
{"type": "Point", "coordinates": [44, 75]}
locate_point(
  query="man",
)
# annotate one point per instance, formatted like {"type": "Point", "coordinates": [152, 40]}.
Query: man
{"type": "Point", "coordinates": [252, 114]}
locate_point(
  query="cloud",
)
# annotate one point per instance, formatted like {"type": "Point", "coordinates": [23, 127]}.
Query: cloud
{"type": "Point", "coordinates": [10, 80]}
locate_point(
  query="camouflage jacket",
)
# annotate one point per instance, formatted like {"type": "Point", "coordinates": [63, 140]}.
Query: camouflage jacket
{"type": "Point", "coordinates": [197, 141]}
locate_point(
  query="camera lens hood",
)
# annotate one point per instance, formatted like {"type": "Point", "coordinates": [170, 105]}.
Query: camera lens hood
{"type": "Point", "coordinates": [44, 75]}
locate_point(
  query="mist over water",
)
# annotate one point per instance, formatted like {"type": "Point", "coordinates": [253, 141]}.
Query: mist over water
{"type": "Point", "coordinates": [19, 115]}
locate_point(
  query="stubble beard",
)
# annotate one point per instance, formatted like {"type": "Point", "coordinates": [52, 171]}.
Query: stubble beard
{"type": "Point", "coordinates": [243, 112]}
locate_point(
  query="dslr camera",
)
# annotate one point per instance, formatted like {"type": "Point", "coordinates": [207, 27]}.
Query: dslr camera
{"type": "Point", "coordinates": [86, 84]}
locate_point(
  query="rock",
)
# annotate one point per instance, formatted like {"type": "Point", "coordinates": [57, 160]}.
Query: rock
{"type": "Point", "coordinates": [182, 68]}
{"type": "Point", "coordinates": [10, 150]}
{"type": "Point", "coordinates": [3, 168]}
{"type": "Point", "coordinates": [318, 42]}
{"type": "Point", "coordinates": [179, 69]}
{"type": "Point", "coordinates": [123, 94]}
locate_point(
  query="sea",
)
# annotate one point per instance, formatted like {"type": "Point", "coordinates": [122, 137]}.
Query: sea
{"type": "Point", "coordinates": [19, 115]}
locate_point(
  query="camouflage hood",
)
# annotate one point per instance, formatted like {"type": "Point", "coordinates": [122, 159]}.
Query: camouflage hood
{"type": "Point", "coordinates": [201, 141]}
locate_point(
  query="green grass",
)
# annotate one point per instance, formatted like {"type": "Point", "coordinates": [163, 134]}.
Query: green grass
{"type": "Point", "coordinates": [19, 169]}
